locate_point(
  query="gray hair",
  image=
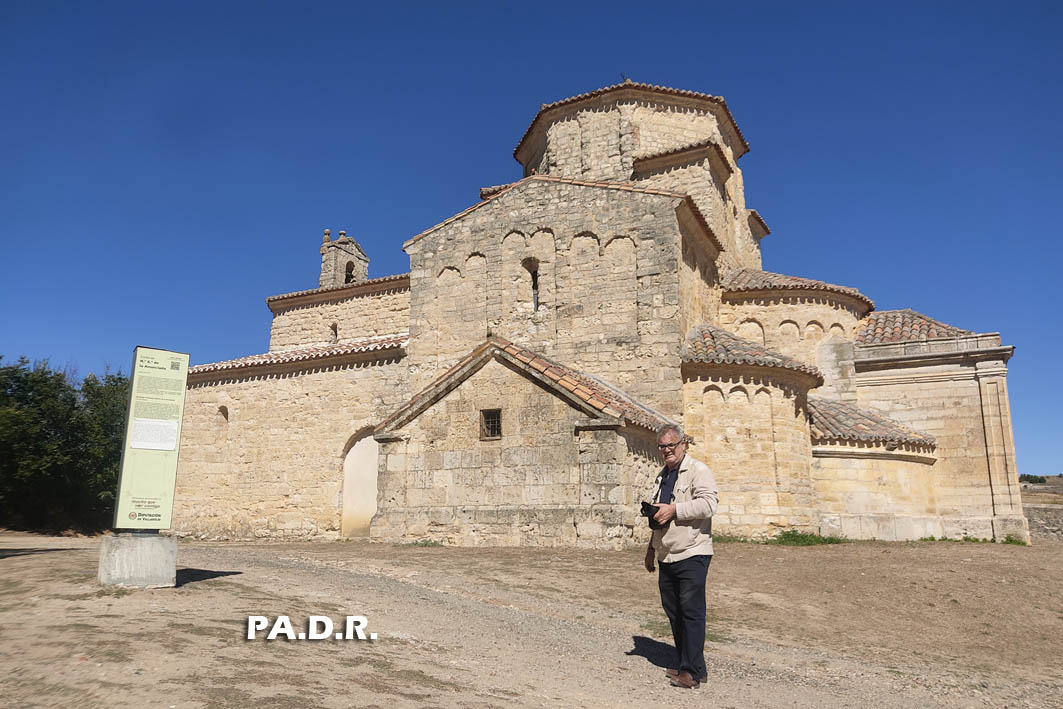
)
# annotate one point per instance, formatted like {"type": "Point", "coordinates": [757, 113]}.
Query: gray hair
{"type": "Point", "coordinates": [677, 430]}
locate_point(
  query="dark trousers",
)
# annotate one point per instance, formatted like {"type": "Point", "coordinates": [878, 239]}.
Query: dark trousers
{"type": "Point", "coordinates": [682, 585]}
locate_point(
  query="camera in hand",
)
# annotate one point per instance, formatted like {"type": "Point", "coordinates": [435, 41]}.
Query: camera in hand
{"type": "Point", "coordinates": [648, 511]}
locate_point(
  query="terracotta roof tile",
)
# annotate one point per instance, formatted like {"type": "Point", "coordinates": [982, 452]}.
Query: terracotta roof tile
{"type": "Point", "coordinates": [751, 279]}
{"type": "Point", "coordinates": [885, 326]}
{"type": "Point", "coordinates": [713, 345]}
{"type": "Point", "coordinates": [838, 421]}
{"type": "Point", "coordinates": [318, 352]}
{"type": "Point", "coordinates": [346, 286]}
{"type": "Point", "coordinates": [637, 87]}
{"type": "Point", "coordinates": [595, 392]}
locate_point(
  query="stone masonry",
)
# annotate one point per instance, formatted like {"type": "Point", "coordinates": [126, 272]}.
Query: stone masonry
{"type": "Point", "coordinates": [506, 391]}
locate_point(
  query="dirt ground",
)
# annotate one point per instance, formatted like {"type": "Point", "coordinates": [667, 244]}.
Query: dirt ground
{"type": "Point", "coordinates": [951, 624]}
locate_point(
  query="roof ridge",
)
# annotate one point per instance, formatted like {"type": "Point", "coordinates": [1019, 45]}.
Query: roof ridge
{"type": "Point", "coordinates": [628, 84]}
{"type": "Point", "coordinates": [620, 186]}
{"type": "Point", "coordinates": [349, 286]}
{"type": "Point", "coordinates": [313, 352]}
{"type": "Point", "coordinates": [757, 279]}
{"type": "Point", "coordinates": [592, 391]}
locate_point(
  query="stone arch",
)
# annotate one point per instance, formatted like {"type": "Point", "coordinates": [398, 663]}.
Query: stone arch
{"type": "Point", "coordinates": [813, 330]}
{"type": "Point", "coordinates": [514, 239]}
{"type": "Point", "coordinates": [449, 272]}
{"type": "Point", "coordinates": [751, 329]}
{"type": "Point", "coordinates": [359, 483]}
{"type": "Point", "coordinates": [837, 329]}
{"type": "Point", "coordinates": [788, 331]}
{"type": "Point", "coordinates": [738, 395]}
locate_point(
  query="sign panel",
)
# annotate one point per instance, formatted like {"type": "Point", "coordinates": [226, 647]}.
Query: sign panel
{"type": "Point", "coordinates": [152, 438]}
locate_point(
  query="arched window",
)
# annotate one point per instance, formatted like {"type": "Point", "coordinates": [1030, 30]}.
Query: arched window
{"type": "Point", "coordinates": [335, 333]}
{"type": "Point", "coordinates": [349, 275]}
{"type": "Point", "coordinates": [531, 265]}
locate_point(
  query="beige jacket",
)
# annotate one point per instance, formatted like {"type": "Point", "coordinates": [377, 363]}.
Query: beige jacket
{"type": "Point", "coordinates": [696, 499]}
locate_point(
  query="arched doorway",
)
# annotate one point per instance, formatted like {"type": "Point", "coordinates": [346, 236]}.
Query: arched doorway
{"type": "Point", "coordinates": [359, 486]}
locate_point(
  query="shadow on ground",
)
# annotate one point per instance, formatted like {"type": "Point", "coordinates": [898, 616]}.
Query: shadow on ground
{"type": "Point", "coordinates": [660, 654]}
{"type": "Point", "coordinates": [187, 576]}
{"type": "Point", "coordinates": [5, 553]}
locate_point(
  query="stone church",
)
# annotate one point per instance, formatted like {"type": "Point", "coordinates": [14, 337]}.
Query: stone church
{"type": "Point", "coordinates": [507, 390]}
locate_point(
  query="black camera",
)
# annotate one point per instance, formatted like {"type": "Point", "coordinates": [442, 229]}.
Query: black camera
{"type": "Point", "coordinates": [648, 511]}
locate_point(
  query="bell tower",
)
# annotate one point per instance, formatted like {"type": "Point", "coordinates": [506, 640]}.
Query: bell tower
{"type": "Point", "coordinates": [342, 261]}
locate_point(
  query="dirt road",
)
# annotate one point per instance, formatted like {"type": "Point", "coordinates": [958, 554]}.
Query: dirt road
{"type": "Point", "coordinates": [853, 625]}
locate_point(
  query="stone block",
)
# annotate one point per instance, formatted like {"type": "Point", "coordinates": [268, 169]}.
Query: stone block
{"type": "Point", "coordinates": [138, 561]}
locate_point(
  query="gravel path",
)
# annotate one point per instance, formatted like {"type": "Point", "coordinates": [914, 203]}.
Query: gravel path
{"type": "Point", "coordinates": [457, 628]}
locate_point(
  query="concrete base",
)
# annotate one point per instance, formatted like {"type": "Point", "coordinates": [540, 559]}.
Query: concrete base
{"type": "Point", "coordinates": [138, 561]}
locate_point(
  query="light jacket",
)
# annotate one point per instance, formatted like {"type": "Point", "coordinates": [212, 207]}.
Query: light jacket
{"type": "Point", "coordinates": [696, 499]}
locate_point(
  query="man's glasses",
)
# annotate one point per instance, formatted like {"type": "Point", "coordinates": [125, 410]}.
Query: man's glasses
{"type": "Point", "coordinates": [668, 446]}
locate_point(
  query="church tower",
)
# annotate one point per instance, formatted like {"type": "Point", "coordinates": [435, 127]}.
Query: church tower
{"type": "Point", "coordinates": [342, 261]}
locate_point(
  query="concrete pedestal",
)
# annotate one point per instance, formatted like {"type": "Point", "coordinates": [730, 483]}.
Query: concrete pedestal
{"type": "Point", "coordinates": [138, 561]}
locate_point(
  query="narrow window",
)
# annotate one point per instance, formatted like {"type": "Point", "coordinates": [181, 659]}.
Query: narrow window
{"type": "Point", "coordinates": [335, 333]}
{"type": "Point", "coordinates": [349, 277]}
{"type": "Point", "coordinates": [531, 265]}
{"type": "Point", "coordinates": [490, 424]}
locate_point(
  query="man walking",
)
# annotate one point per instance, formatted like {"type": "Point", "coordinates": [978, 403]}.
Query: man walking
{"type": "Point", "coordinates": [686, 499]}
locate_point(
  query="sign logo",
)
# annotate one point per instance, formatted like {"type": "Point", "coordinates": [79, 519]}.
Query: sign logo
{"type": "Point", "coordinates": [132, 515]}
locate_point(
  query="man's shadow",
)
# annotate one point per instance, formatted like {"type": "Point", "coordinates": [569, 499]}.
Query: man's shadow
{"type": "Point", "coordinates": [660, 654]}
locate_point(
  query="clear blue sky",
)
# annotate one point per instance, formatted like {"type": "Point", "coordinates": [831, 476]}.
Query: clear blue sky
{"type": "Point", "coordinates": [166, 166]}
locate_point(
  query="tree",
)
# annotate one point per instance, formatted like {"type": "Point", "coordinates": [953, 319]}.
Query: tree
{"type": "Point", "coordinates": [60, 447]}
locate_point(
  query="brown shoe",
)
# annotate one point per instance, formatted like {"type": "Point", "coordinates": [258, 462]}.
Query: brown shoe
{"type": "Point", "coordinates": [672, 673]}
{"type": "Point", "coordinates": [685, 680]}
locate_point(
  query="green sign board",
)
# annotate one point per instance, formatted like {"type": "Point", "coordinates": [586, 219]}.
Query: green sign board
{"type": "Point", "coordinates": [152, 439]}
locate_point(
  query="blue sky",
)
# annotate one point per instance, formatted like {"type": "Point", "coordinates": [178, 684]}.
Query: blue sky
{"type": "Point", "coordinates": [166, 167]}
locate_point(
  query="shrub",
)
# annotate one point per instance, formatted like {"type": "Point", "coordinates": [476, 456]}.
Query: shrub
{"type": "Point", "coordinates": [1040, 479]}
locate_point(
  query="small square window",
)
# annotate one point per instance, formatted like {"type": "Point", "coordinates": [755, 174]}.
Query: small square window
{"type": "Point", "coordinates": [490, 424]}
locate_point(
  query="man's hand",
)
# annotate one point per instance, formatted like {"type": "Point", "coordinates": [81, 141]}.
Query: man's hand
{"type": "Point", "coordinates": [665, 513]}
{"type": "Point", "coordinates": [649, 558]}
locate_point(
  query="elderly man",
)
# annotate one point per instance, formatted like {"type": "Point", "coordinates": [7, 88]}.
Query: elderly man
{"type": "Point", "coordinates": [686, 500]}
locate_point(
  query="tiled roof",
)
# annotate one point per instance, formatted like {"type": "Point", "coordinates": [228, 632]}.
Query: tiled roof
{"type": "Point", "coordinates": [619, 186]}
{"type": "Point", "coordinates": [751, 279]}
{"type": "Point", "coordinates": [383, 280]}
{"type": "Point", "coordinates": [369, 344]}
{"type": "Point", "coordinates": [593, 391]}
{"type": "Point", "coordinates": [713, 345]}
{"type": "Point", "coordinates": [885, 326]}
{"type": "Point", "coordinates": [629, 85]}
{"type": "Point", "coordinates": [838, 421]}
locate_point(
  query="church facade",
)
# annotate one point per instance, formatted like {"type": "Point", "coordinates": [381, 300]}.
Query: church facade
{"type": "Point", "coordinates": [507, 390]}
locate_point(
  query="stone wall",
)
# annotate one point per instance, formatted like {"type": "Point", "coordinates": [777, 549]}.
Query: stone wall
{"type": "Point", "coordinates": [1046, 521]}
{"type": "Point", "coordinates": [262, 454]}
{"type": "Point", "coordinates": [552, 478]}
{"type": "Point", "coordinates": [866, 491]}
{"type": "Point", "coordinates": [300, 324]}
{"type": "Point", "coordinates": [793, 325]}
{"type": "Point", "coordinates": [753, 433]}
{"type": "Point", "coordinates": [608, 293]}
{"type": "Point", "coordinates": [960, 398]}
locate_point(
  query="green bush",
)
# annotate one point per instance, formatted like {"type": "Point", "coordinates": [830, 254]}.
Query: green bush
{"type": "Point", "coordinates": [794, 538]}
{"type": "Point", "coordinates": [1041, 479]}
{"type": "Point", "coordinates": [60, 447]}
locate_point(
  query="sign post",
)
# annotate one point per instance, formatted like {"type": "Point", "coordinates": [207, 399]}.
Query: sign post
{"type": "Point", "coordinates": [138, 556]}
